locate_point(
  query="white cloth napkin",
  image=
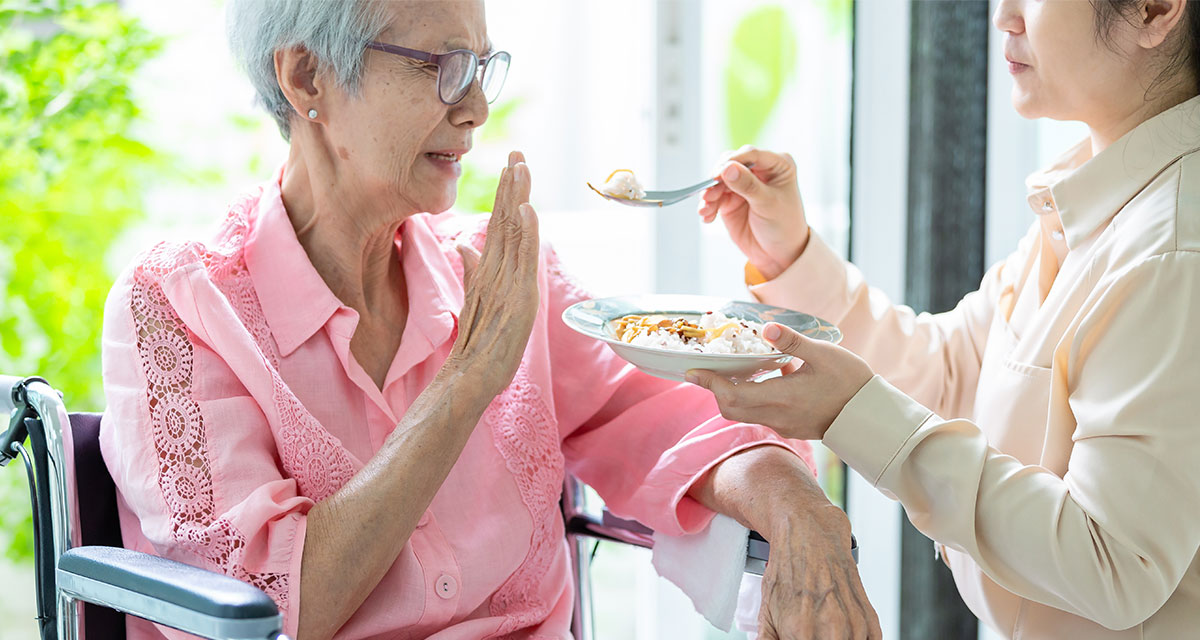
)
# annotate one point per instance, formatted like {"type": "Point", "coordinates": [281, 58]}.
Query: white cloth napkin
{"type": "Point", "coordinates": [748, 604]}
{"type": "Point", "coordinates": [707, 566]}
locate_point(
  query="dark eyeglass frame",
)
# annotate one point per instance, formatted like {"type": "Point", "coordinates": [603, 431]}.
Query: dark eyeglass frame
{"type": "Point", "coordinates": [481, 66]}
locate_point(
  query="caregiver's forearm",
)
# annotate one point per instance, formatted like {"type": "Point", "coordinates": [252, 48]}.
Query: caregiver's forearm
{"type": "Point", "coordinates": [354, 536]}
{"type": "Point", "coordinates": [766, 488]}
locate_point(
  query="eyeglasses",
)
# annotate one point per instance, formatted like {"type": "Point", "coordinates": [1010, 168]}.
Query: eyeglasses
{"type": "Point", "coordinates": [458, 69]}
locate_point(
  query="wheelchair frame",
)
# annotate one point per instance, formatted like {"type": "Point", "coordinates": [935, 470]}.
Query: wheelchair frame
{"type": "Point", "coordinates": [37, 410]}
{"type": "Point", "coordinates": [200, 602]}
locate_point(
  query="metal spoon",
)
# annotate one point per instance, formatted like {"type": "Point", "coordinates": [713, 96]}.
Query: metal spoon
{"type": "Point", "coordinates": [662, 198]}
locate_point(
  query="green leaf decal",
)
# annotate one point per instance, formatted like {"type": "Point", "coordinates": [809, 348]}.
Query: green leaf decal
{"type": "Point", "coordinates": [762, 57]}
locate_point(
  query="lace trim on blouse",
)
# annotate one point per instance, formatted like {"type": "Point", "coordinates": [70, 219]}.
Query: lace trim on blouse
{"type": "Point", "coordinates": [309, 453]}
{"type": "Point", "coordinates": [180, 440]}
{"type": "Point", "coordinates": [525, 432]}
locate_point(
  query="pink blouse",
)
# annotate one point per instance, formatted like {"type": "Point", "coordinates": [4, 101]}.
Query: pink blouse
{"type": "Point", "coordinates": [235, 404]}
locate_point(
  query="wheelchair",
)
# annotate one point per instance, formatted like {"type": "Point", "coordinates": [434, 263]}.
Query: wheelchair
{"type": "Point", "coordinates": [86, 581]}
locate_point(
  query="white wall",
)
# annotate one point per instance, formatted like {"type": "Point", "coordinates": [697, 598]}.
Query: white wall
{"type": "Point", "coordinates": [878, 234]}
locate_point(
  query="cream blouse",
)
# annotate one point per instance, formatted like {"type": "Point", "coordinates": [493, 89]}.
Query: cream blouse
{"type": "Point", "coordinates": [1047, 430]}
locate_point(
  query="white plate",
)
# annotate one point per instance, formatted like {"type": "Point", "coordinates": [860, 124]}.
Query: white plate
{"type": "Point", "coordinates": [592, 317]}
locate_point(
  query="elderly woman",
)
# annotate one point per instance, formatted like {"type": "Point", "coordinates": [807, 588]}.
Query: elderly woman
{"type": "Point", "coordinates": [316, 403]}
{"type": "Point", "coordinates": [1045, 431]}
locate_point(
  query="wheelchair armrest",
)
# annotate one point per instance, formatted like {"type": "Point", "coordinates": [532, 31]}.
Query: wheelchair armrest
{"type": "Point", "coordinates": [167, 592]}
{"type": "Point", "coordinates": [758, 550]}
{"type": "Point", "coordinates": [610, 527]}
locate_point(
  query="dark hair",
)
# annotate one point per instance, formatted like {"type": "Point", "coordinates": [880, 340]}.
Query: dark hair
{"type": "Point", "coordinates": [1182, 55]}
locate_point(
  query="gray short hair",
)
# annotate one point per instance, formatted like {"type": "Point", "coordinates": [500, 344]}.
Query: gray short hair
{"type": "Point", "coordinates": [335, 31]}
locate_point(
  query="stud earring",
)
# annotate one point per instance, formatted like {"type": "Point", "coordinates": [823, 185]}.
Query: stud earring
{"type": "Point", "coordinates": [312, 113]}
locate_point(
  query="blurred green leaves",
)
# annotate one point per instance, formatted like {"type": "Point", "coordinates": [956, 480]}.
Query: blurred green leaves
{"type": "Point", "coordinates": [762, 57]}
{"type": "Point", "coordinates": [71, 180]}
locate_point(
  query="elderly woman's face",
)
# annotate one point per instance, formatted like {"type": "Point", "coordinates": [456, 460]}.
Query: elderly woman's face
{"type": "Point", "coordinates": [397, 137]}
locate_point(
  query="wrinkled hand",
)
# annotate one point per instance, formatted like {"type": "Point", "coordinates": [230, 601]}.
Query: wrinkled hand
{"type": "Point", "coordinates": [811, 589]}
{"type": "Point", "coordinates": [803, 402]}
{"type": "Point", "coordinates": [502, 297]}
{"type": "Point", "coordinates": [761, 208]}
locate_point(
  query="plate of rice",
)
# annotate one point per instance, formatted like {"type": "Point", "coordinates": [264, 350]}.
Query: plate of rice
{"type": "Point", "coordinates": [665, 335]}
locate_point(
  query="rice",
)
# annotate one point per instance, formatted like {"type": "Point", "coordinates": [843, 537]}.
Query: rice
{"type": "Point", "coordinates": [623, 184]}
{"type": "Point", "coordinates": [711, 332]}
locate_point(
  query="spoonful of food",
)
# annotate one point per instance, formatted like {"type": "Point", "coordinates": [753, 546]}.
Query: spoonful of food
{"type": "Point", "coordinates": [623, 187]}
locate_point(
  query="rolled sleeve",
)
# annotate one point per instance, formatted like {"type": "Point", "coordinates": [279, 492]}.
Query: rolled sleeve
{"type": "Point", "coordinates": [681, 467]}
{"type": "Point", "coordinates": [291, 615]}
{"type": "Point", "coordinates": [194, 461]}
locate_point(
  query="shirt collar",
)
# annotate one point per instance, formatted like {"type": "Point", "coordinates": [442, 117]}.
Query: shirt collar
{"type": "Point", "coordinates": [1087, 191]}
{"type": "Point", "coordinates": [433, 277]}
{"type": "Point", "coordinates": [282, 274]}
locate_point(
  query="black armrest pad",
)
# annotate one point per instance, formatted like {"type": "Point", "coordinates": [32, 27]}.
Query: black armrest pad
{"type": "Point", "coordinates": [199, 590]}
{"type": "Point", "coordinates": [610, 520]}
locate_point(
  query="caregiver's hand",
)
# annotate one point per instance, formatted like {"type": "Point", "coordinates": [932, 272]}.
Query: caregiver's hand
{"type": "Point", "coordinates": [760, 207]}
{"type": "Point", "coordinates": [501, 299]}
{"type": "Point", "coordinates": [803, 402]}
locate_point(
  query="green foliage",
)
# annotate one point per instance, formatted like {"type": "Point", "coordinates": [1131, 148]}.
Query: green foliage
{"type": "Point", "coordinates": [71, 179]}
{"type": "Point", "coordinates": [761, 59]}
{"type": "Point", "coordinates": [477, 187]}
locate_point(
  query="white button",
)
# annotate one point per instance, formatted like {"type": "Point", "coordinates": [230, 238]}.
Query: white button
{"type": "Point", "coordinates": [1047, 206]}
{"type": "Point", "coordinates": [447, 587]}
{"type": "Point", "coordinates": [1057, 235]}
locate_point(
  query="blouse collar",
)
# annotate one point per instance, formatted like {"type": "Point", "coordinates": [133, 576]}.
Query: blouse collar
{"type": "Point", "coordinates": [295, 299]}
{"type": "Point", "coordinates": [1085, 191]}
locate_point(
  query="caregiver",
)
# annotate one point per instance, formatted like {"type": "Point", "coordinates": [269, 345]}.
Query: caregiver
{"type": "Point", "coordinates": [1045, 432]}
